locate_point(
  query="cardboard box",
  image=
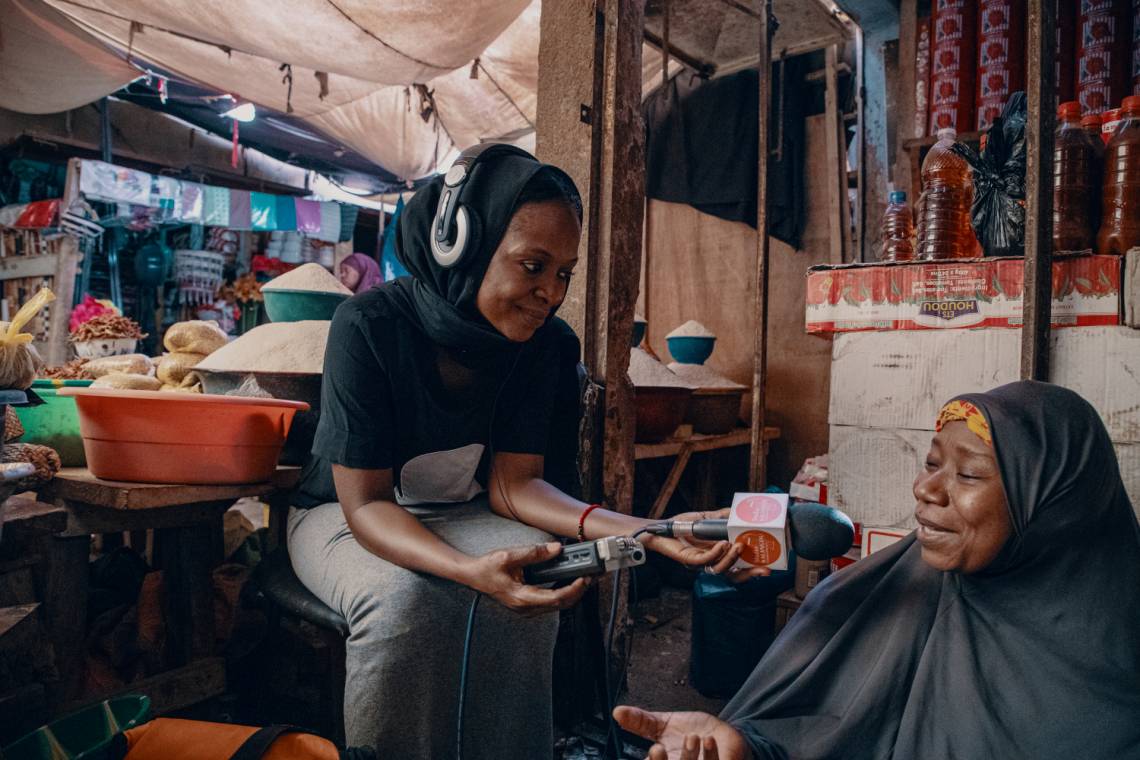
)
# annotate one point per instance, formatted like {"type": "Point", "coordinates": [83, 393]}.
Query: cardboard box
{"type": "Point", "coordinates": [1131, 286]}
{"type": "Point", "coordinates": [759, 521]}
{"type": "Point", "coordinates": [887, 388]}
{"type": "Point", "coordinates": [877, 539]}
{"type": "Point", "coordinates": [956, 294]}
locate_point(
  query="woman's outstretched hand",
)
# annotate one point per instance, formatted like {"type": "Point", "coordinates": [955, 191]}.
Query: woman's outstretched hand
{"type": "Point", "coordinates": [684, 735]}
{"type": "Point", "coordinates": [716, 557]}
{"type": "Point", "coordinates": [499, 575]}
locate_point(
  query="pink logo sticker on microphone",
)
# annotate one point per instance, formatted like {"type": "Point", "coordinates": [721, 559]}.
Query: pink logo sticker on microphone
{"type": "Point", "coordinates": [759, 509]}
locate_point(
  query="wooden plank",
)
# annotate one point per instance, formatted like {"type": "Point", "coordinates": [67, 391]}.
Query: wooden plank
{"type": "Point", "coordinates": [836, 159]}
{"type": "Point", "coordinates": [170, 690]}
{"type": "Point", "coordinates": [758, 464]}
{"type": "Point", "coordinates": [28, 516]}
{"type": "Point", "coordinates": [699, 442]}
{"type": "Point", "coordinates": [1041, 79]}
{"type": "Point", "coordinates": [63, 285]}
{"type": "Point", "coordinates": [79, 485]}
{"type": "Point", "coordinates": [905, 94]}
{"type": "Point", "coordinates": [675, 473]}
{"type": "Point", "coordinates": [187, 557]}
{"type": "Point", "coordinates": [619, 189]}
{"type": "Point", "coordinates": [17, 267]}
{"type": "Point", "coordinates": [25, 654]}
{"type": "Point", "coordinates": [85, 519]}
{"type": "Point", "coordinates": [65, 611]}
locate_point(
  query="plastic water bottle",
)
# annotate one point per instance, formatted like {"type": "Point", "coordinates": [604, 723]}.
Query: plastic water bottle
{"type": "Point", "coordinates": [1120, 208]}
{"type": "Point", "coordinates": [897, 229]}
{"type": "Point", "coordinates": [944, 230]}
{"type": "Point", "coordinates": [1076, 185]}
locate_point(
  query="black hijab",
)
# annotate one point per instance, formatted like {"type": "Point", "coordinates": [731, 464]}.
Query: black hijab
{"type": "Point", "coordinates": [441, 302]}
{"type": "Point", "coordinates": [1038, 656]}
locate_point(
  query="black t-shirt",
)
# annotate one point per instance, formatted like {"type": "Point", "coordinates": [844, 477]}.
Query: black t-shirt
{"type": "Point", "coordinates": [384, 405]}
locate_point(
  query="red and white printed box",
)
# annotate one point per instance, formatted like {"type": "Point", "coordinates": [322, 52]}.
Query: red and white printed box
{"type": "Point", "coordinates": [877, 539]}
{"type": "Point", "coordinates": [952, 294]}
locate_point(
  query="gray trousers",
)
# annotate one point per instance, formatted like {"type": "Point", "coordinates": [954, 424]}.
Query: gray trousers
{"type": "Point", "coordinates": [405, 642]}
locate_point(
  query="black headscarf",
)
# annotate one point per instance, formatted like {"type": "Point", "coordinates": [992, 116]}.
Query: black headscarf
{"type": "Point", "coordinates": [1037, 656]}
{"type": "Point", "coordinates": [442, 301]}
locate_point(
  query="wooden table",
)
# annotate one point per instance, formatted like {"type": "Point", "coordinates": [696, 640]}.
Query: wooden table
{"type": "Point", "coordinates": [683, 447]}
{"type": "Point", "coordinates": [187, 520]}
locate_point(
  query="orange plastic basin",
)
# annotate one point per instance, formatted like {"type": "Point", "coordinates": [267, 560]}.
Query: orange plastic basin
{"type": "Point", "coordinates": [165, 437]}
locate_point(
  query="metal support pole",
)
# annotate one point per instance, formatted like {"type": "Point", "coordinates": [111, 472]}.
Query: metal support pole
{"type": "Point", "coordinates": [105, 129]}
{"type": "Point", "coordinates": [1041, 79]}
{"type": "Point", "coordinates": [758, 471]}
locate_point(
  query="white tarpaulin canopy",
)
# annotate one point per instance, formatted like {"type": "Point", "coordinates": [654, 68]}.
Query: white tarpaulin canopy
{"type": "Point", "coordinates": [384, 64]}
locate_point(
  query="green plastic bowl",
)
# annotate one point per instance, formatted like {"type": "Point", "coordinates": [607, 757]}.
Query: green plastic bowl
{"type": "Point", "coordinates": [301, 305]}
{"type": "Point", "coordinates": [83, 735]}
{"type": "Point", "coordinates": [690, 349]}
{"type": "Point", "coordinates": [56, 422]}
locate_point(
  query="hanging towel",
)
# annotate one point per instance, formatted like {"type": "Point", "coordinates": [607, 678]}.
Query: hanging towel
{"type": "Point", "coordinates": [240, 212]}
{"type": "Point", "coordinates": [286, 212]}
{"type": "Point", "coordinates": [308, 215]}
{"type": "Point", "coordinates": [348, 214]}
{"type": "Point", "coordinates": [330, 222]}
{"type": "Point", "coordinates": [216, 206]}
{"type": "Point", "coordinates": [263, 211]}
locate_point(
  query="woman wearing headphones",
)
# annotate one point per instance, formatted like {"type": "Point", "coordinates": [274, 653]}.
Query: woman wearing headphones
{"type": "Point", "coordinates": [426, 485]}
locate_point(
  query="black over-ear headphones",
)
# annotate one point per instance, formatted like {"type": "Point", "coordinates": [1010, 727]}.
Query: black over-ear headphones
{"type": "Point", "coordinates": [448, 245]}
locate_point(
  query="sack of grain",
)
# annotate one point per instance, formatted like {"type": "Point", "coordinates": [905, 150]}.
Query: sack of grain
{"type": "Point", "coordinates": [194, 337]}
{"type": "Point", "coordinates": [19, 360]}
{"type": "Point", "coordinates": [288, 347]}
{"type": "Point", "coordinates": [128, 382]}
{"type": "Point", "coordinates": [131, 364]}
{"type": "Point", "coordinates": [174, 367]}
{"type": "Point", "coordinates": [311, 277]}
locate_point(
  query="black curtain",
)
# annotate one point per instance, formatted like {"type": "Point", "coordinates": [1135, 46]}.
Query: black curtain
{"type": "Point", "coordinates": [701, 146]}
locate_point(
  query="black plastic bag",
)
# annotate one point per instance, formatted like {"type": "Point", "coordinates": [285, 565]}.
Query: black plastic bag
{"type": "Point", "coordinates": [998, 210]}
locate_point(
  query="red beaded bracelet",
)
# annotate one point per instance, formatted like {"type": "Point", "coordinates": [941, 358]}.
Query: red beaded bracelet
{"type": "Point", "coordinates": [582, 520]}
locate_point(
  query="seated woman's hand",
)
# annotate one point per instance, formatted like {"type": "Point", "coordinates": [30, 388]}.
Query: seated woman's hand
{"type": "Point", "coordinates": [499, 575]}
{"type": "Point", "coordinates": [684, 735]}
{"type": "Point", "coordinates": [716, 557]}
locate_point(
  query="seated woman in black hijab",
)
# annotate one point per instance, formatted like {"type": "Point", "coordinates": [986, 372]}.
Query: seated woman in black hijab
{"type": "Point", "coordinates": [1005, 626]}
{"type": "Point", "coordinates": [426, 483]}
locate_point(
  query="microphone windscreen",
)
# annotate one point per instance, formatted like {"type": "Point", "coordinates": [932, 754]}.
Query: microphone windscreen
{"type": "Point", "coordinates": [819, 531]}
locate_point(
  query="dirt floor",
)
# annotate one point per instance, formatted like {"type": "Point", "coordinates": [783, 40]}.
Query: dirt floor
{"type": "Point", "coordinates": [658, 671]}
{"type": "Point", "coordinates": [658, 675]}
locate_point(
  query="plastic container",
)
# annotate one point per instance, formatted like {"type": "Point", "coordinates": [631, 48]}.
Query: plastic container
{"type": "Point", "coordinates": [639, 328]}
{"type": "Point", "coordinates": [1076, 182]}
{"type": "Point", "coordinates": [164, 437]}
{"type": "Point", "coordinates": [1109, 121]}
{"type": "Point", "coordinates": [944, 230]}
{"type": "Point", "coordinates": [1120, 222]}
{"type": "Point", "coordinates": [659, 411]}
{"type": "Point", "coordinates": [690, 349]}
{"type": "Point", "coordinates": [85, 734]}
{"type": "Point", "coordinates": [301, 305]}
{"type": "Point", "coordinates": [897, 229]}
{"type": "Point", "coordinates": [292, 386]}
{"type": "Point", "coordinates": [1104, 53]}
{"type": "Point", "coordinates": [55, 423]}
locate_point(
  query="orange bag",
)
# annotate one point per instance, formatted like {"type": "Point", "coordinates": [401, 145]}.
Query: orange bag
{"type": "Point", "coordinates": [174, 739]}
